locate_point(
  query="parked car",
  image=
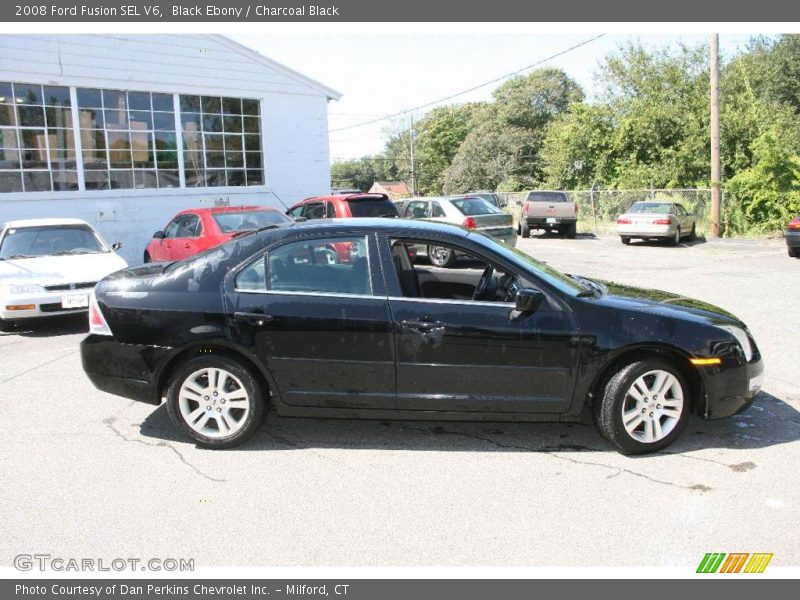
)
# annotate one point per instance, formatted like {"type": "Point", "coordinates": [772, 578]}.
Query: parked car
{"type": "Point", "coordinates": [358, 205]}
{"type": "Point", "coordinates": [49, 266]}
{"type": "Point", "coordinates": [793, 237]}
{"type": "Point", "coordinates": [490, 197]}
{"type": "Point", "coordinates": [548, 210]}
{"type": "Point", "coordinates": [259, 320]}
{"type": "Point", "coordinates": [469, 212]}
{"type": "Point", "coordinates": [657, 219]}
{"type": "Point", "coordinates": [197, 229]}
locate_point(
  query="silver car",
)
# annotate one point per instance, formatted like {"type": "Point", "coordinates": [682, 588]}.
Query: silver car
{"type": "Point", "coordinates": [468, 211]}
{"type": "Point", "coordinates": [657, 219]}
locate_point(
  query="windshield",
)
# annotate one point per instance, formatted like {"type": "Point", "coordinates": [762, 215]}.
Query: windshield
{"type": "Point", "coordinates": [546, 197]}
{"type": "Point", "coordinates": [30, 242]}
{"type": "Point", "coordinates": [244, 220]}
{"type": "Point", "coordinates": [661, 208]}
{"type": "Point", "coordinates": [471, 207]}
{"type": "Point", "coordinates": [543, 271]}
{"type": "Point", "coordinates": [372, 208]}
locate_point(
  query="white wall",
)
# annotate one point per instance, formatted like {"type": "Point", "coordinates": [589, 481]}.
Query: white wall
{"type": "Point", "coordinates": [293, 111]}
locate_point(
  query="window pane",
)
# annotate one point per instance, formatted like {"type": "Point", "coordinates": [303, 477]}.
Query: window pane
{"type": "Point", "coordinates": [232, 106]}
{"type": "Point", "coordinates": [121, 179]}
{"type": "Point", "coordinates": [96, 180]}
{"type": "Point", "coordinates": [215, 159]}
{"type": "Point", "coordinates": [190, 104]}
{"type": "Point", "coordinates": [250, 107]}
{"type": "Point", "coordinates": [168, 179]}
{"type": "Point", "coordinates": [252, 277]}
{"type": "Point", "coordinates": [193, 160]}
{"type": "Point", "coordinates": [91, 118]}
{"type": "Point", "coordinates": [164, 121]}
{"type": "Point", "coordinates": [32, 138]}
{"type": "Point", "coordinates": [34, 158]}
{"type": "Point", "coordinates": [166, 140]}
{"type": "Point", "coordinates": [6, 93]}
{"type": "Point", "coordinates": [9, 158]}
{"type": "Point", "coordinates": [65, 180]}
{"type": "Point", "coordinates": [58, 117]}
{"type": "Point", "coordinates": [211, 104]}
{"type": "Point", "coordinates": [31, 116]}
{"type": "Point", "coordinates": [212, 123]}
{"type": "Point", "coordinates": [113, 99]}
{"type": "Point", "coordinates": [234, 159]}
{"type": "Point", "coordinates": [88, 98]}
{"type": "Point", "coordinates": [116, 119]}
{"type": "Point", "coordinates": [316, 266]}
{"type": "Point", "coordinates": [214, 143]}
{"type": "Point", "coordinates": [163, 102]}
{"type": "Point", "coordinates": [193, 141]}
{"type": "Point", "coordinates": [92, 139]}
{"type": "Point", "coordinates": [252, 142]}
{"type": "Point", "coordinates": [233, 124]}
{"type": "Point", "coordinates": [8, 139]}
{"type": "Point", "coordinates": [60, 138]}
{"type": "Point", "coordinates": [236, 178]}
{"type": "Point", "coordinates": [119, 140]}
{"type": "Point", "coordinates": [8, 115]}
{"type": "Point", "coordinates": [145, 179]}
{"type": "Point", "coordinates": [255, 177]}
{"type": "Point", "coordinates": [233, 142]}
{"type": "Point", "coordinates": [139, 101]}
{"type": "Point", "coordinates": [141, 120]}
{"type": "Point", "coordinates": [28, 94]}
{"type": "Point", "coordinates": [56, 96]}
{"type": "Point", "coordinates": [252, 125]}
{"type": "Point", "coordinates": [195, 177]}
{"type": "Point", "coordinates": [167, 160]}
{"type": "Point", "coordinates": [10, 182]}
{"type": "Point", "coordinates": [215, 178]}
{"type": "Point", "coordinates": [254, 160]}
{"type": "Point", "coordinates": [36, 181]}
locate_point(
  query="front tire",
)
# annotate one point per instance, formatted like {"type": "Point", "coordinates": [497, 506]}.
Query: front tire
{"type": "Point", "coordinates": [441, 256]}
{"type": "Point", "coordinates": [6, 326]}
{"type": "Point", "coordinates": [693, 235]}
{"type": "Point", "coordinates": [216, 401]}
{"type": "Point", "coordinates": [644, 408]}
{"type": "Point", "coordinates": [147, 258]}
{"type": "Point", "coordinates": [625, 240]}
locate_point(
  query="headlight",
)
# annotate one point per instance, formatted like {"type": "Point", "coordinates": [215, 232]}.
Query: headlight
{"type": "Point", "coordinates": [24, 288]}
{"type": "Point", "coordinates": [742, 337]}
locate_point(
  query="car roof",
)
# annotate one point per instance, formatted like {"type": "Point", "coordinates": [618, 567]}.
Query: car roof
{"type": "Point", "coordinates": [339, 197]}
{"type": "Point", "coordinates": [45, 222]}
{"type": "Point", "coordinates": [223, 209]}
{"type": "Point", "coordinates": [369, 224]}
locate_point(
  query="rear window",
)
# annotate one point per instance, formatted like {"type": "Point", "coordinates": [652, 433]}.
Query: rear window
{"type": "Point", "coordinates": [546, 197]}
{"type": "Point", "coordinates": [372, 208]}
{"type": "Point", "coordinates": [660, 208]}
{"type": "Point", "coordinates": [470, 207]}
{"type": "Point", "coordinates": [245, 220]}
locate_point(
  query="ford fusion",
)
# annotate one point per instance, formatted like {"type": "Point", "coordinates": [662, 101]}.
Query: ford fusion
{"type": "Point", "coordinates": [274, 317]}
{"type": "Point", "coordinates": [49, 266]}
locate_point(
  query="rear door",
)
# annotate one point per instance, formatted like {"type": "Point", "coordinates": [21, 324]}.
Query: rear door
{"type": "Point", "coordinates": [322, 327]}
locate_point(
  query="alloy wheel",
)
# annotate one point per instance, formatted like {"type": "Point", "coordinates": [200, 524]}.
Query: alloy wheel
{"type": "Point", "coordinates": [214, 403]}
{"type": "Point", "coordinates": [653, 406]}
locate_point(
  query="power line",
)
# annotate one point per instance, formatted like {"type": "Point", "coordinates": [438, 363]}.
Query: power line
{"type": "Point", "coordinates": [472, 89]}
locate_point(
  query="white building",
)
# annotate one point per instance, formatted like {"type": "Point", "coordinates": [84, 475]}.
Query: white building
{"type": "Point", "coordinates": [126, 130]}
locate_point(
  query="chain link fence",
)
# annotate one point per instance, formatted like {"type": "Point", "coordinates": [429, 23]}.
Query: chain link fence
{"type": "Point", "coordinates": [598, 209]}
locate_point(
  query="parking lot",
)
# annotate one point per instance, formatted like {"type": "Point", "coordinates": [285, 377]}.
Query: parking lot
{"type": "Point", "coordinates": [86, 474]}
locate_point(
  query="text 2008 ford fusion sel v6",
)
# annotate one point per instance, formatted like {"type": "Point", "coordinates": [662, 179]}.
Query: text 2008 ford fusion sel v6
{"type": "Point", "coordinates": [282, 316]}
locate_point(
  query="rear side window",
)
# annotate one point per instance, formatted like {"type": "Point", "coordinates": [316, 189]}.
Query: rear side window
{"type": "Point", "coordinates": [315, 211]}
{"type": "Point", "coordinates": [546, 197]}
{"type": "Point", "coordinates": [418, 209]}
{"type": "Point", "coordinates": [372, 208]}
{"type": "Point", "coordinates": [475, 206]}
{"type": "Point", "coordinates": [330, 265]}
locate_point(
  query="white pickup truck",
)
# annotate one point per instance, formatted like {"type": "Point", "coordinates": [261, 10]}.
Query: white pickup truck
{"type": "Point", "coordinates": [548, 210]}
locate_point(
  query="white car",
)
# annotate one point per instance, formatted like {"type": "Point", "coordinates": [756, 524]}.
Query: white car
{"type": "Point", "coordinates": [658, 220]}
{"type": "Point", "coordinates": [50, 266]}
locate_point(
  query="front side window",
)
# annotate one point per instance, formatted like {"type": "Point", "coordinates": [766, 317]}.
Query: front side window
{"type": "Point", "coordinates": [315, 211]}
{"type": "Point", "coordinates": [171, 230]}
{"type": "Point", "coordinates": [37, 144]}
{"type": "Point", "coordinates": [190, 227]}
{"type": "Point", "coordinates": [29, 242]}
{"type": "Point", "coordinates": [418, 209]}
{"type": "Point", "coordinates": [331, 265]}
{"type": "Point", "coordinates": [221, 141]}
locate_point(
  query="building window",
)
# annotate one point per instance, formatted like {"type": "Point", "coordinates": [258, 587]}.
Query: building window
{"type": "Point", "coordinates": [37, 144]}
{"type": "Point", "coordinates": [128, 139]}
{"type": "Point", "coordinates": [221, 141]}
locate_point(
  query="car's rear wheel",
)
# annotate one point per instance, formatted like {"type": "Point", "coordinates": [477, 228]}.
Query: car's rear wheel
{"type": "Point", "coordinates": [793, 252]}
{"type": "Point", "coordinates": [524, 229]}
{"type": "Point", "coordinates": [644, 408]}
{"type": "Point", "coordinates": [675, 239]}
{"type": "Point", "coordinates": [216, 401]}
{"type": "Point", "coordinates": [572, 231]}
{"type": "Point", "coordinates": [625, 240]}
{"type": "Point", "coordinates": [441, 256]}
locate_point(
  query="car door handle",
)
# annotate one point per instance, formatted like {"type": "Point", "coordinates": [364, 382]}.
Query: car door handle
{"type": "Point", "coordinates": [421, 325]}
{"type": "Point", "coordinates": [253, 318]}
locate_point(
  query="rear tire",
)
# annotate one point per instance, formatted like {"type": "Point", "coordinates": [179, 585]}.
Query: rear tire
{"type": "Point", "coordinates": [676, 239]}
{"type": "Point", "coordinates": [625, 240]}
{"type": "Point", "coordinates": [793, 252]}
{"type": "Point", "coordinates": [239, 405]}
{"type": "Point", "coordinates": [572, 231]}
{"type": "Point", "coordinates": [524, 229]}
{"type": "Point", "coordinates": [441, 256]}
{"type": "Point", "coordinates": [644, 408]}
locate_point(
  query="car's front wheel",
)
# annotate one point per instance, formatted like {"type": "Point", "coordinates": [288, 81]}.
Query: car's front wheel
{"type": "Point", "coordinates": [147, 258]}
{"type": "Point", "coordinates": [216, 401]}
{"type": "Point", "coordinates": [6, 325]}
{"type": "Point", "coordinates": [625, 240]}
{"type": "Point", "coordinates": [644, 407]}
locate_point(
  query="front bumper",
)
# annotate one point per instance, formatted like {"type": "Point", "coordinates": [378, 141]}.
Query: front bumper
{"type": "Point", "coordinates": [44, 304]}
{"type": "Point", "coordinates": [127, 370]}
{"type": "Point", "coordinates": [731, 387]}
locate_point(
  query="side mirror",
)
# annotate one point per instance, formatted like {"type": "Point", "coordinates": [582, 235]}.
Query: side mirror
{"type": "Point", "coordinates": [158, 235]}
{"type": "Point", "coordinates": [528, 300]}
{"type": "Point", "coordinates": [116, 246]}
{"type": "Point", "coordinates": [300, 219]}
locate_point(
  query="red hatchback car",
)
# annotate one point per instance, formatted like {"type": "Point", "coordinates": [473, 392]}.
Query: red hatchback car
{"type": "Point", "coordinates": [197, 229]}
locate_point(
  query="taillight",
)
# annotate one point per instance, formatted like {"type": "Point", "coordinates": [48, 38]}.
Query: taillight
{"type": "Point", "coordinates": [623, 221]}
{"type": "Point", "coordinates": [97, 322]}
{"type": "Point", "coordinates": [794, 224]}
{"type": "Point", "coordinates": [525, 209]}
{"type": "Point", "coordinates": [576, 209]}
{"type": "Point", "coordinates": [661, 221]}
{"type": "Point", "coordinates": [469, 223]}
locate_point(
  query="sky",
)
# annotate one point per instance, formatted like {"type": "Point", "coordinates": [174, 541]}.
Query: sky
{"type": "Point", "coordinates": [380, 74]}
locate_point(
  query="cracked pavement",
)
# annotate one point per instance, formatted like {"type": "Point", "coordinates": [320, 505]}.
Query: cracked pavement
{"type": "Point", "coordinates": [90, 474]}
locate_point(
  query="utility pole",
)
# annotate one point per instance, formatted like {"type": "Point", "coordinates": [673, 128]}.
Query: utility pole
{"type": "Point", "coordinates": [715, 159]}
{"type": "Point", "coordinates": [413, 164]}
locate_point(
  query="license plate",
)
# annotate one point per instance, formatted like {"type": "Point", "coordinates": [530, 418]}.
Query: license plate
{"type": "Point", "coordinates": [75, 301]}
{"type": "Point", "coordinates": [552, 220]}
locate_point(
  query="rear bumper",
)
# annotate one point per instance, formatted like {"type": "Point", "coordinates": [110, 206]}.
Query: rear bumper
{"type": "Point", "coordinates": [646, 231]}
{"type": "Point", "coordinates": [731, 389]}
{"type": "Point", "coordinates": [793, 239]}
{"type": "Point", "coordinates": [127, 370]}
{"type": "Point", "coordinates": [540, 222]}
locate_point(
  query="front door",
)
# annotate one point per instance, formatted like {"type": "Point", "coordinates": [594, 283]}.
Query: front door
{"type": "Point", "coordinates": [322, 326]}
{"type": "Point", "coordinates": [186, 242]}
{"type": "Point", "coordinates": [459, 353]}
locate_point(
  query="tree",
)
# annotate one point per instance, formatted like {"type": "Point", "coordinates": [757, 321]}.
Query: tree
{"type": "Point", "coordinates": [361, 173]}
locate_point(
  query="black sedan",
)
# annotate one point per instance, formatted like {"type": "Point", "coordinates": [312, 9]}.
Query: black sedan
{"type": "Point", "coordinates": [332, 319]}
